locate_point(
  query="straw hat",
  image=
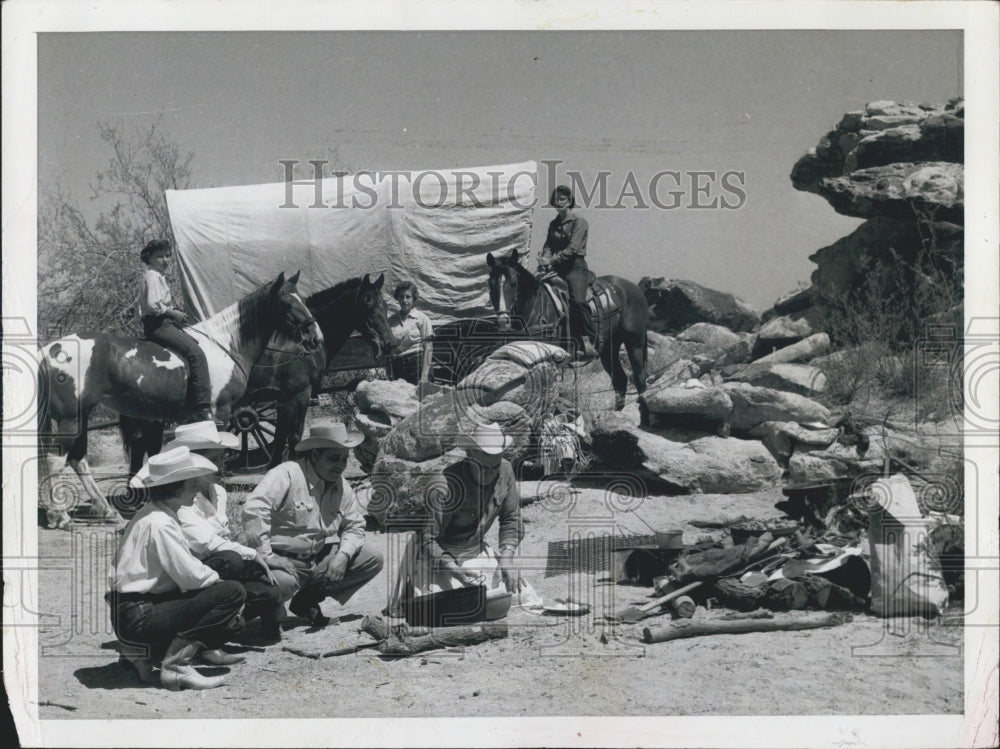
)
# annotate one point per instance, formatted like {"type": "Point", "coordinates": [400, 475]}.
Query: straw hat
{"type": "Point", "coordinates": [172, 466]}
{"type": "Point", "coordinates": [202, 435]}
{"type": "Point", "coordinates": [486, 437]}
{"type": "Point", "coordinates": [329, 434]}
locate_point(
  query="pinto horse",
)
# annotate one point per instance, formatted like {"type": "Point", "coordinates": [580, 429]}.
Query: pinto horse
{"type": "Point", "coordinates": [621, 318]}
{"type": "Point", "coordinates": [356, 304]}
{"type": "Point", "coordinates": [142, 380]}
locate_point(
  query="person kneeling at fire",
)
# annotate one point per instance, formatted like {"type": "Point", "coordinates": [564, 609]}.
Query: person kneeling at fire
{"type": "Point", "coordinates": [205, 524]}
{"type": "Point", "coordinates": [305, 520]}
{"type": "Point", "coordinates": [451, 550]}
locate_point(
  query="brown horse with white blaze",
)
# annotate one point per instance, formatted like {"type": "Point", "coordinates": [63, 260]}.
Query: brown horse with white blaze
{"type": "Point", "coordinates": [146, 381]}
{"type": "Point", "coordinates": [516, 294]}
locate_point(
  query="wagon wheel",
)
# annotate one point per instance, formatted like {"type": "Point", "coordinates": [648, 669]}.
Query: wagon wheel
{"type": "Point", "coordinates": [255, 423]}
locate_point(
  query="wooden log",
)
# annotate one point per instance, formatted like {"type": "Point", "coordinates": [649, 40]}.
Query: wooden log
{"type": "Point", "coordinates": [735, 595]}
{"type": "Point", "coordinates": [759, 614]}
{"type": "Point", "coordinates": [445, 637]}
{"type": "Point", "coordinates": [683, 607]}
{"type": "Point", "coordinates": [695, 628]}
{"type": "Point", "coordinates": [785, 595]}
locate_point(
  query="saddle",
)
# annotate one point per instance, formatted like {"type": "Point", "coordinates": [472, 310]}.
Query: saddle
{"type": "Point", "coordinates": [600, 300]}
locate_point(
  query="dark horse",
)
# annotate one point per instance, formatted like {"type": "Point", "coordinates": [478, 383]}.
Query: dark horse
{"type": "Point", "coordinates": [142, 380]}
{"type": "Point", "coordinates": [356, 304]}
{"type": "Point", "coordinates": [621, 318]}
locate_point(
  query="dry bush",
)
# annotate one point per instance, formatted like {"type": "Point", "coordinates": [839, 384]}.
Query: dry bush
{"type": "Point", "coordinates": [88, 254]}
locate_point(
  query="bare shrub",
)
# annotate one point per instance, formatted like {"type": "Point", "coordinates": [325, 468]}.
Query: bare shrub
{"type": "Point", "coordinates": [88, 254]}
{"type": "Point", "coordinates": [880, 324]}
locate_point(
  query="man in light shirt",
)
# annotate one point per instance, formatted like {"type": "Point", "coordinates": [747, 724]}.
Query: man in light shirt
{"type": "Point", "coordinates": [305, 520]}
{"type": "Point", "coordinates": [162, 598]}
{"type": "Point", "coordinates": [205, 524]}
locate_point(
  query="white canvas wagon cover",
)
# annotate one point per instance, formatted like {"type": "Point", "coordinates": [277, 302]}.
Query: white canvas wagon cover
{"type": "Point", "coordinates": [431, 227]}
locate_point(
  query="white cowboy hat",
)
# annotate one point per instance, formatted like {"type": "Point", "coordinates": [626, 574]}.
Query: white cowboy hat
{"type": "Point", "coordinates": [488, 438]}
{"type": "Point", "coordinates": [174, 465]}
{"type": "Point", "coordinates": [329, 434]}
{"type": "Point", "coordinates": [202, 435]}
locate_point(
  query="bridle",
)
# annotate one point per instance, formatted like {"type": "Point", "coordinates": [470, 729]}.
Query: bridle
{"type": "Point", "coordinates": [542, 326]}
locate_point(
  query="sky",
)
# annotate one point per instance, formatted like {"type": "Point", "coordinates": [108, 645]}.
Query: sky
{"type": "Point", "coordinates": [626, 103]}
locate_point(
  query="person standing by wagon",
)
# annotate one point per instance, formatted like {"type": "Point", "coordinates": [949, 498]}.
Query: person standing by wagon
{"type": "Point", "coordinates": [412, 349]}
{"type": "Point", "coordinates": [565, 252]}
{"type": "Point", "coordinates": [161, 323]}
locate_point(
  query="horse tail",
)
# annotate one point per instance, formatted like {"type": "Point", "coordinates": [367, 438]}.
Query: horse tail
{"type": "Point", "coordinates": [130, 429]}
{"type": "Point", "coordinates": [43, 420]}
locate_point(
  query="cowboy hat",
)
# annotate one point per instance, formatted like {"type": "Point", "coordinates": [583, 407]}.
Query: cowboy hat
{"type": "Point", "coordinates": [202, 435]}
{"type": "Point", "coordinates": [489, 438]}
{"type": "Point", "coordinates": [173, 466]}
{"type": "Point", "coordinates": [329, 434]}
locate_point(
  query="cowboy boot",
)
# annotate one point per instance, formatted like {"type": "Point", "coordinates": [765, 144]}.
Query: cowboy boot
{"type": "Point", "coordinates": [176, 672]}
{"type": "Point", "coordinates": [220, 657]}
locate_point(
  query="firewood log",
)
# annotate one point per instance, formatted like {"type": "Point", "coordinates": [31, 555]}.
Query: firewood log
{"type": "Point", "coordinates": [696, 628]}
{"type": "Point", "coordinates": [735, 595]}
{"type": "Point", "coordinates": [445, 637]}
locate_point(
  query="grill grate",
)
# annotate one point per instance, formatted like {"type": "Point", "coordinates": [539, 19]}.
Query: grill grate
{"type": "Point", "coordinates": [590, 554]}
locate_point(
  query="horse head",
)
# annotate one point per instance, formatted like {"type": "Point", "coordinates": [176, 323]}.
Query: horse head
{"type": "Point", "coordinates": [294, 318]}
{"type": "Point", "coordinates": [508, 285]}
{"type": "Point", "coordinates": [373, 315]}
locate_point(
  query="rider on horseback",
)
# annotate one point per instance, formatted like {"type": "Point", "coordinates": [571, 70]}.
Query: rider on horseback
{"type": "Point", "coordinates": [565, 252]}
{"type": "Point", "coordinates": [161, 323]}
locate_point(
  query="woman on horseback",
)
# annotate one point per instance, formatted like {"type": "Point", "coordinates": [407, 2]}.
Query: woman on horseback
{"type": "Point", "coordinates": [565, 252]}
{"type": "Point", "coordinates": [161, 323]}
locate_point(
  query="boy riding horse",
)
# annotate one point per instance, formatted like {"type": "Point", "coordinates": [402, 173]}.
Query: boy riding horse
{"type": "Point", "coordinates": [161, 323]}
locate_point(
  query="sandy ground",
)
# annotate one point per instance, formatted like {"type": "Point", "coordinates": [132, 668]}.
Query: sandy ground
{"type": "Point", "coordinates": [547, 666]}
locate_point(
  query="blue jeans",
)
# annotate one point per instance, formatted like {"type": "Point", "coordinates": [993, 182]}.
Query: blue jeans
{"type": "Point", "coordinates": [165, 331]}
{"type": "Point", "coordinates": [263, 599]}
{"type": "Point", "coordinates": [575, 273]}
{"type": "Point", "coordinates": [209, 615]}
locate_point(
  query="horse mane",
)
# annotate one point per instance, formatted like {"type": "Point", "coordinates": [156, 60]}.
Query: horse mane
{"type": "Point", "coordinates": [242, 319]}
{"type": "Point", "coordinates": [524, 274]}
{"type": "Point", "coordinates": [326, 297]}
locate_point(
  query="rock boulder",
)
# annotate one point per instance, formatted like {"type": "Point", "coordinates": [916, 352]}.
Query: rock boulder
{"type": "Point", "coordinates": [705, 465]}
{"type": "Point", "coordinates": [690, 407]}
{"type": "Point", "coordinates": [675, 305]}
{"type": "Point", "coordinates": [802, 379]}
{"type": "Point", "coordinates": [806, 349]}
{"type": "Point", "coordinates": [753, 406]}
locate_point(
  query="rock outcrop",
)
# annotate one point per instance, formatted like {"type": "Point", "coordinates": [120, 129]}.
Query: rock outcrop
{"type": "Point", "coordinates": [674, 305]}
{"type": "Point", "coordinates": [905, 138]}
{"type": "Point", "coordinates": [705, 465]}
{"type": "Point", "coordinates": [900, 166]}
